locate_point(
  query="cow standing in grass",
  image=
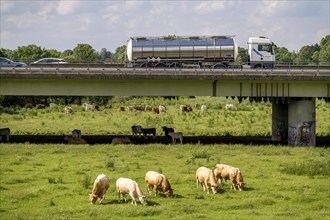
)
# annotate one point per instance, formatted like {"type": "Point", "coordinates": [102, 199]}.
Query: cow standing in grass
{"type": "Point", "coordinates": [127, 186]}
{"type": "Point", "coordinates": [100, 187]}
{"type": "Point", "coordinates": [223, 171]}
{"type": "Point", "coordinates": [206, 178]}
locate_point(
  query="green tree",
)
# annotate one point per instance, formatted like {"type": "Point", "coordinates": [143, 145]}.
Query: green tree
{"type": "Point", "coordinates": [305, 55]}
{"type": "Point", "coordinates": [324, 55]}
{"type": "Point", "coordinates": [120, 55]}
{"type": "Point", "coordinates": [84, 53]}
{"type": "Point", "coordinates": [28, 53]}
{"type": "Point", "coordinates": [283, 56]}
{"type": "Point", "coordinates": [104, 55]}
{"type": "Point", "coordinates": [243, 56]}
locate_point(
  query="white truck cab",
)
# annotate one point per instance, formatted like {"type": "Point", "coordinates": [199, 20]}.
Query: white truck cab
{"type": "Point", "coordinates": [261, 53]}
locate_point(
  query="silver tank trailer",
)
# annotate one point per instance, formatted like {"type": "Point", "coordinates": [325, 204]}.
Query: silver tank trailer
{"type": "Point", "coordinates": [191, 49]}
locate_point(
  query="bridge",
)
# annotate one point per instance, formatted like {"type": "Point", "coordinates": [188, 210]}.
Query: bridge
{"type": "Point", "coordinates": [291, 91]}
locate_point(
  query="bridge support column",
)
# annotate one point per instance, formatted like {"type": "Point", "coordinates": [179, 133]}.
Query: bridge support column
{"type": "Point", "coordinates": [279, 122]}
{"type": "Point", "coordinates": [301, 122]}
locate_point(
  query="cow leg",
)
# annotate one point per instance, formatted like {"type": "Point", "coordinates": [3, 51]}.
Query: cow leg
{"type": "Point", "coordinates": [133, 198]}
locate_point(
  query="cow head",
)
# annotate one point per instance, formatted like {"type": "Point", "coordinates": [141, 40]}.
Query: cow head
{"type": "Point", "coordinates": [93, 198]}
{"type": "Point", "coordinates": [143, 200]}
{"type": "Point", "coordinates": [169, 193]}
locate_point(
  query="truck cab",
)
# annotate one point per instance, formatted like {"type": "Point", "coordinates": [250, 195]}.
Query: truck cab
{"type": "Point", "coordinates": [261, 53]}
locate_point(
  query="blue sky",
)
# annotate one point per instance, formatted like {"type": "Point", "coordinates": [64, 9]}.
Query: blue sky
{"type": "Point", "coordinates": [61, 25]}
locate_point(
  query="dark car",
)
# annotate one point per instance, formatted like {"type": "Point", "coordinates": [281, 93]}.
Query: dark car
{"type": "Point", "coordinates": [4, 62]}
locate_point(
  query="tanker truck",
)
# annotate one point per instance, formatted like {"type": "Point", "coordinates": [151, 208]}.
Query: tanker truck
{"type": "Point", "coordinates": [216, 52]}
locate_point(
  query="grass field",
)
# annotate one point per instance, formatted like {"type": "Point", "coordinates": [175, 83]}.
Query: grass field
{"type": "Point", "coordinates": [53, 181]}
{"type": "Point", "coordinates": [250, 119]}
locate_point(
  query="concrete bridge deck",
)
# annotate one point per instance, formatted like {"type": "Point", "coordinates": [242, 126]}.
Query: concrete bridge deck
{"type": "Point", "coordinates": [165, 82]}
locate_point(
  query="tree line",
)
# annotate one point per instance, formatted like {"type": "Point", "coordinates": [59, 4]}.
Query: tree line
{"type": "Point", "coordinates": [317, 54]}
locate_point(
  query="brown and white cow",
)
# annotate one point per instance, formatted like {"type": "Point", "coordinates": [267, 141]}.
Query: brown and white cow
{"type": "Point", "coordinates": [100, 187]}
{"type": "Point", "coordinates": [227, 172]}
{"type": "Point", "coordinates": [158, 182]}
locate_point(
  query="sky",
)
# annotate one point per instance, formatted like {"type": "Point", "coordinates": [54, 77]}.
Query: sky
{"type": "Point", "coordinates": [63, 24]}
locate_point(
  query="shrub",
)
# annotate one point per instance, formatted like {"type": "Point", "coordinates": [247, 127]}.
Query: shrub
{"type": "Point", "coordinates": [110, 163]}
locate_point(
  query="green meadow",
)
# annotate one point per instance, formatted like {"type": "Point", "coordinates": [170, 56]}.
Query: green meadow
{"type": "Point", "coordinates": [53, 181]}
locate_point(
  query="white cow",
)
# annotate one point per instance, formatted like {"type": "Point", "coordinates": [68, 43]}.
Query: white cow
{"type": "Point", "coordinates": [87, 107]}
{"type": "Point", "coordinates": [127, 186]}
{"type": "Point", "coordinates": [204, 108]}
{"type": "Point", "coordinates": [230, 107]}
{"type": "Point", "coordinates": [206, 178]}
{"type": "Point", "coordinates": [162, 109]}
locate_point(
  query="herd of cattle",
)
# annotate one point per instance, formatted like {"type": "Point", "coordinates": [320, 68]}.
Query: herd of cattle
{"type": "Point", "coordinates": [137, 130]}
{"type": "Point", "coordinates": [157, 182]}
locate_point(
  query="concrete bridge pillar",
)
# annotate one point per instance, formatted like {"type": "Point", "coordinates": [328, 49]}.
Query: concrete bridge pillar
{"type": "Point", "coordinates": [279, 121]}
{"type": "Point", "coordinates": [301, 122]}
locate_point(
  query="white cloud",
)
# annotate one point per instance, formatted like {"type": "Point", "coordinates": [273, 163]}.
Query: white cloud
{"type": "Point", "coordinates": [67, 7]}
{"type": "Point", "coordinates": [210, 6]}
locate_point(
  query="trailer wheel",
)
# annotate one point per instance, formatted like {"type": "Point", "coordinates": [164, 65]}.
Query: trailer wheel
{"type": "Point", "coordinates": [219, 66]}
{"type": "Point", "coordinates": [175, 65]}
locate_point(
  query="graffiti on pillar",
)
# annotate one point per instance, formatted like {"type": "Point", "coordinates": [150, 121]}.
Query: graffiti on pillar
{"type": "Point", "coordinates": [280, 131]}
{"type": "Point", "coordinates": [292, 135]}
{"type": "Point", "coordinates": [305, 133]}
{"type": "Point", "coordinates": [300, 135]}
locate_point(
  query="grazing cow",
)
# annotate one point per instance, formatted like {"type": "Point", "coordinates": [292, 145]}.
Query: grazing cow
{"type": "Point", "coordinates": [167, 130]}
{"type": "Point", "coordinates": [127, 186]}
{"type": "Point", "coordinates": [72, 140]}
{"type": "Point", "coordinates": [204, 108]}
{"type": "Point", "coordinates": [136, 130]}
{"type": "Point", "coordinates": [186, 108]}
{"type": "Point", "coordinates": [87, 107]}
{"type": "Point", "coordinates": [4, 132]}
{"type": "Point", "coordinates": [121, 140]}
{"type": "Point", "coordinates": [155, 109]}
{"type": "Point", "coordinates": [230, 107]}
{"type": "Point", "coordinates": [121, 108]}
{"type": "Point", "coordinates": [158, 182]}
{"type": "Point", "coordinates": [147, 108]}
{"type": "Point", "coordinates": [76, 133]}
{"type": "Point", "coordinates": [109, 106]}
{"type": "Point", "coordinates": [53, 105]}
{"type": "Point", "coordinates": [28, 105]}
{"type": "Point", "coordinates": [174, 136]}
{"type": "Point", "coordinates": [100, 187]}
{"type": "Point", "coordinates": [206, 178]}
{"type": "Point", "coordinates": [147, 131]}
{"type": "Point", "coordinates": [40, 106]}
{"type": "Point", "coordinates": [223, 171]}
{"type": "Point", "coordinates": [68, 110]}
{"type": "Point", "coordinates": [162, 109]}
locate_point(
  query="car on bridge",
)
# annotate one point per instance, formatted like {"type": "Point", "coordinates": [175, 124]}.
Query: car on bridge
{"type": "Point", "coordinates": [4, 62]}
{"type": "Point", "coordinates": [50, 61]}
